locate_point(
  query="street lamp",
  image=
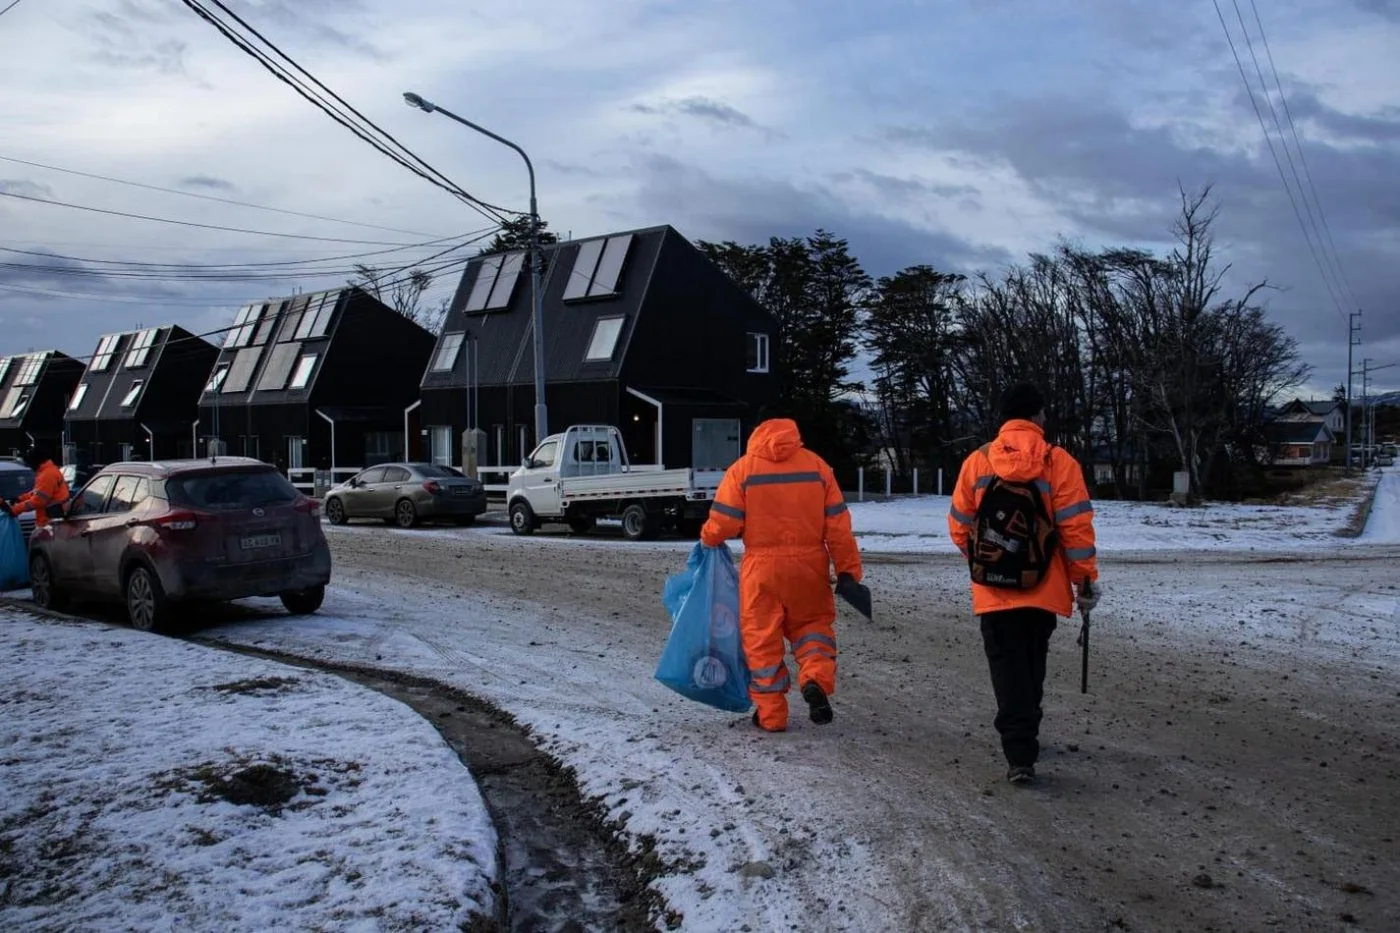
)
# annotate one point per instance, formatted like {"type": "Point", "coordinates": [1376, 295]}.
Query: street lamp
{"type": "Point", "coordinates": [536, 299]}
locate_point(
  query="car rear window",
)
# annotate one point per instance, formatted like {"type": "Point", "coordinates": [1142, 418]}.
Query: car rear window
{"type": "Point", "coordinates": [435, 471]}
{"type": "Point", "coordinates": [15, 483]}
{"type": "Point", "coordinates": [244, 489]}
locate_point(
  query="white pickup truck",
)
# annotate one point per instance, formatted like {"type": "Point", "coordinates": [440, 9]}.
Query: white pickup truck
{"type": "Point", "coordinates": [583, 474]}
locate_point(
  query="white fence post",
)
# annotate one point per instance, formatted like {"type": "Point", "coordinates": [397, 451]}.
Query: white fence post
{"type": "Point", "coordinates": [916, 481]}
{"type": "Point", "coordinates": [940, 481]}
{"type": "Point", "coordinates": [860, 484]}
{"type": "Point", "coordinates": [889, 479]}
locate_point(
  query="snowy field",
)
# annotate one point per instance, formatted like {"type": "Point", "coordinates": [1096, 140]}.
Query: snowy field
{"type": "Point", "coordinates": [153, 785]}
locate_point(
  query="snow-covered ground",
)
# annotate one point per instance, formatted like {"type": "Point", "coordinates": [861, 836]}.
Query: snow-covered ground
{"type": "Point", "coordinates": [118, 756]}
{"type": "Point", "coordinates": [1383, 526]}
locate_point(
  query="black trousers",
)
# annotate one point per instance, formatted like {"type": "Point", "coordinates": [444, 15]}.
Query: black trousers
{"type": "Point", "coordinates": [1017, 642]}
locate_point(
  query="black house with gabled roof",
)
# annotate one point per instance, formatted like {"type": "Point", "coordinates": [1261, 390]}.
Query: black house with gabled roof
{"type": "Point", "coordinates": [139, 397]}
{"type": "Point", "coordinates": [34, 391]}
{"type": "Point", "coordinates": [642, 331]}
{"type": "Point", "coordinates": [315, 382]}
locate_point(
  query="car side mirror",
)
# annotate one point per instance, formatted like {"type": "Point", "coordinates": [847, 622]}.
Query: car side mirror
{"type": "Point", "coordinates": [527, 463]}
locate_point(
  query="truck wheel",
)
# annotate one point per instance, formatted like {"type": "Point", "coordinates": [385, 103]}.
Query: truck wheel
{"type": "Point", "coordinates": [637, 525]}
{"type": "Point", "coordinates": [582, 524]}
{"type": "Point", "coordinates": [522, 518]}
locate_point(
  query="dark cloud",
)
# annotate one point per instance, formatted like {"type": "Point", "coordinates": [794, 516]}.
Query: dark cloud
{"type": "Point", "coordinates": [904, 189]}
{"type": "Point", "coordinates": [703, 108]}
{"type": "Point", "coordinates": [751, 210]}
{"type": "Point", "coordinates": [207, 181]}
{"type": "Point", "coordinates": [1390, 9]}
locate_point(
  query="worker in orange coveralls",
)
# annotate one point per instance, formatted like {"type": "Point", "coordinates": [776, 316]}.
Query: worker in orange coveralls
{"type": "Point", "coordinates": [783, 500]}
{"type": "Point", "coordinates": [50, 490]}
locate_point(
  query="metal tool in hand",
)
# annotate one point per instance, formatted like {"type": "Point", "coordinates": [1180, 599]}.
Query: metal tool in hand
{"type": "Point", "coordinates": [1083, 642]}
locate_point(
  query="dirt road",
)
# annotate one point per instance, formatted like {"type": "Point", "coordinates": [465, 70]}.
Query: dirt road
{"type": "Point", "coordinates": [1235, 766]}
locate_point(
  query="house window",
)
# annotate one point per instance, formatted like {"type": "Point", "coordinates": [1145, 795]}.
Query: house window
{"type": "Point", "coordinates": [292, 320]}
{"type": "Point", "coordinates": [217, 379]}
{"type": "Point", "coordinates": [502, 457]}
{"type": "Point", "coordinates": [141, 348]}
{"type": "Point", "coordinates": [4, 367]}
{"type": "Point", "coordinates": [381, 446]}
{"type": "Point", "coordinates": [250, 445]}
{"type": "Point", "coordinates": [131, 395]}
{"type": "Point", "coordinates": [317, 319]}
{"type": "Point", "coordinates": [29, 370]}
{"type": "Point", "coordinates": [440, 438]}
{"type": "Point", "coordinates": [15, 404]}
{"type": "Point", "coordinates": [125, 452]}
{"type": "Point", "coordinates": [241, 373]}
{"type": "Point", "coordinates": [604, 342]}
{"type": "Point", "coordinates": [106, 348]}
{"type": "Point", "coordinates": [303, 374]}
{"type": "Point", "coordinates": [597, 268]}
{"type": "Point", "coordinates": [296, 453]}
{"type": "Point", "coordinates": [78, 395]}
{"type": "Point", "coordinates": [447, 352]}
{"type": "Point", "coordinates": [495, 282]}
{"type": "Point", "coordinates": [758, 353]}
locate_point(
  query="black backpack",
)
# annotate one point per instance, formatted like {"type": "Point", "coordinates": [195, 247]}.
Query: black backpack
{"type": "Point", "coordinates": [1013, 536]}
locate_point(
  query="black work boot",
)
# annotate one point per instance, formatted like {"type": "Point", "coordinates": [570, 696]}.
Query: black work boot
{"type": "Point", "coordinates": [1021, 774]}
{"type": "Point", "coordinates": [817, 704]}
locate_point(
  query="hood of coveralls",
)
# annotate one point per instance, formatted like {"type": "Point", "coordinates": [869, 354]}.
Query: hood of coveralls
{"type": "Point", "coordinates": [775, 440]}
{"type": "Point", "coordinates": [1019, 453]}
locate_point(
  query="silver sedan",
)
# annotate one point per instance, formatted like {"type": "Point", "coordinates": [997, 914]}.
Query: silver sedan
{"type": "Point", "coordinates": [405, 494]}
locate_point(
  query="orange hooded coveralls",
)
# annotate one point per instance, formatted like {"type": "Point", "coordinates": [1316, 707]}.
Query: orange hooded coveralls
{"type": "Point", "coordinates": [783, 500]}
{"type": "Point", "coordinates": [50, 491]}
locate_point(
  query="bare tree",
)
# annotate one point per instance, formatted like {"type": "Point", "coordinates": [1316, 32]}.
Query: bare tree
{"type": "Point", "coordinates": [402, 293]}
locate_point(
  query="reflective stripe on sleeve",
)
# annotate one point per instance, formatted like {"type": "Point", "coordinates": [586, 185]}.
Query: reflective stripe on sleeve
{"type": "Point", "coordinates": [728, 510]}
{"type": "Point", "coordinates": [1078, 508]}
{"type": "Point", "coordinates": [834, 510]}
{"type": "Point", "coordinates": [1080, 553]}
{"type": "Point", "coordinates": [960, 517]}
{"type": "Point", "coordinates": [984, 481]}
{"type": "Point", "coordinates": [781, 685]}
{"type": "Point", "coordinates": [815, 638]}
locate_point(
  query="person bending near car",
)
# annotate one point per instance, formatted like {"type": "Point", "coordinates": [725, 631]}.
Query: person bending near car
{"type": "Point", "coordinates": [50, 492]}
{"type": "Point", "coordinates": [1021, 515]}
{"type": "Point", "coordinates": [784, 502]}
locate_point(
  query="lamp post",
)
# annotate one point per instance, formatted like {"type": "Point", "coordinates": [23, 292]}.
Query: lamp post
{"type": "Point", "coordinates": [536, 299]}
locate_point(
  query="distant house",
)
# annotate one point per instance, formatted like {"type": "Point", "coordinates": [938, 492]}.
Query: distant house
{"type": "Point", "coordinates": [34, 391]}
{"type": "Point", "coordinates": [1102, 461]}
{"type": "Point", "coordinates": [642, 331]}
{"type": "Point", "coordinates": [314, 382]}
{"type": "Point", "coordinates": [1299, 443]}
{"type": "Point", "coordinates": [1329, 412]}
{"type": "Point", "coordinates": [138, 398]}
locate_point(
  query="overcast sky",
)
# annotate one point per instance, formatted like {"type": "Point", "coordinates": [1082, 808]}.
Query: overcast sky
{"type": "Point", "coordinates": [960, 133]}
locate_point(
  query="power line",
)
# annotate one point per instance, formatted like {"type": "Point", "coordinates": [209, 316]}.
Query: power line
{"type": "Point", "coordinates": [1249, 89]}
{"type": "Point", "coordinates": [190, 223]}
{"type": "Point", "coordinates": [1288, 154]}
{"type": "Point", "coordinates": [9, 8]}
{"type": "Point", "coordinates": [1302, 157]}
{"type": "Point", "coordinates": [431, 174]}
{"type": "Point", "coordinates": [209, 197]}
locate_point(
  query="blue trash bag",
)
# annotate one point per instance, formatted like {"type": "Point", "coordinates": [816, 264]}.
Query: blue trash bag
{"type": "Point", "coordinates": [14, 556]}
{"type": "Point", "coordinates": [704, 658]}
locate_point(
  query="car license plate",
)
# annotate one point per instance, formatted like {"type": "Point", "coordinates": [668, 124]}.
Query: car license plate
{"type": "Point", "coordinates": [460, 491]}
{"type": "Point", "coordinates": [259, 541]}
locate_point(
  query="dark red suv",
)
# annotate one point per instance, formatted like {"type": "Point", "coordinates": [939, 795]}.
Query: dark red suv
{"type": "Point", "coordinates": [156, 534]}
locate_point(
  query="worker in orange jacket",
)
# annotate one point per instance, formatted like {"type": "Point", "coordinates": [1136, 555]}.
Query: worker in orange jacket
{"type": "Point", "coordinates": [50, 489]}
{"type": "Point", "coordinates": [1018, 613]}
{"type": "Point", "coordinates": [783, 500]}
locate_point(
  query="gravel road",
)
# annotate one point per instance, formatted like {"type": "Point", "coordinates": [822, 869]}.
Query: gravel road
{"type": "Point", "coordinates": [1235, 766]}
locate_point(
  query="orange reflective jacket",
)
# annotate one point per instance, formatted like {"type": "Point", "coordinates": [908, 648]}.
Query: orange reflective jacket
{"type": "Point", "coordinates": [50, 491]}
{"type": "Point", "coordinates": [781, 497]}
{"type": "Point", "coordinates": [1020, 454]}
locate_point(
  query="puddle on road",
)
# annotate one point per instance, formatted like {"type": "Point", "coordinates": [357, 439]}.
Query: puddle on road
{"type": "Point", "coordinates": [564, 871]}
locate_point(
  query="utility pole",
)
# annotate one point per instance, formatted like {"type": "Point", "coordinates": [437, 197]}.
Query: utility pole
{"type": "Point", "coordinates": [1368, 411]}
{"type": "Point", "coordinates": [1353, 340]}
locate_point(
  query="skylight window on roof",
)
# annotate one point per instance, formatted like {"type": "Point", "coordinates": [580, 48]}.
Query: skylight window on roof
{"type": "Point", "coordinates": [505, 281]}
{"type": "Point", "coordinates": [4, 367]}
{"type": "Point", "coordinates": [604, 342]}
{"type": "Point", "coordinates": [14, 404]}
{"type": "Point", "coordinates": [29, 370]}
{"type": "Point", "coordinates": [279, 365]}
{"type": "Point", "coordinates": [303, 374]}
{"type": "Point", "coordinates": [242, 333]}
{"type": "Point", "coordinates": [317, 319]}
{"type": "Point", "coordinates": [485, 281]}
{"type": "Point", "coordinates": [133, 393]}
{"type": "Point", "coordinates": [141, 348]}
{"type": "Point", "coordinates": [269, 321]}
{"type": "Point", "coordinates": [241, 373]}
{"type": "Point", "coordinates": [447, 352]}
{"type": "Point", "coordinates": [106, 347]}
{"type": "Point", "coordinates": [585, 264]}
{"type": "Point", "coordinates": [79, 394]}
{"type": "Point", "coordinates": [610, 267]}
{"type": "Point", "coordinates": [216, 380]}
{"type": "Point", "coordinates": [292, 322]}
